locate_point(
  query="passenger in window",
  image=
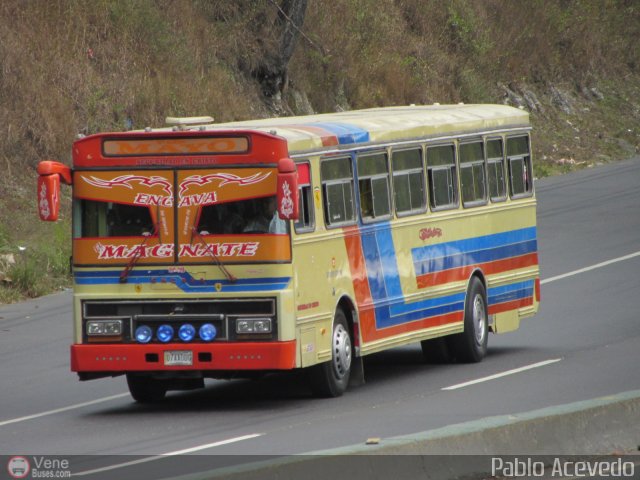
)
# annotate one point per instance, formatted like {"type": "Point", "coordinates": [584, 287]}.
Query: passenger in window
{"type": "Point", "coordinates": [260, 222]}
{"type": "Point", "coordinates": [233, 221]}
{"type": "Point", "coordinates": [277, 224]}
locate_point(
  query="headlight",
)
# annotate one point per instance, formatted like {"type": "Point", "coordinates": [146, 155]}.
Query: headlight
{"type": "Point", "coordinates": [143, 334]}
{"type": "Point", "coordinates": [187, 332]}
{"type": "Point", "coordinates": [165, 333]}
{"type": "Point", "coordinates": [207, 332]}
{"type": "Point", "coordinates": [253, 325]}
{"type": "Point", "coordinates": [104, 327]}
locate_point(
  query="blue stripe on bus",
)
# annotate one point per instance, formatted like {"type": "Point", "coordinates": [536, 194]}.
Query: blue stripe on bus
{"type": "Point", "coordinates": [511, 292]}
{"type": "Point", "coordinates": [184, 281]}
{"type": "Point", "coordinates": [344, 132]}
{"type": "Point", "coordinates": [384, 282]}
{"type": "Point", "coordinates": [444, 256]}
{"type": "Point", "coordinates": [439, 263]}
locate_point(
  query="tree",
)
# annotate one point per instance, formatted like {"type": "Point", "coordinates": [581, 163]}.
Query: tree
{"type": "Point", "coordinates": [271, 72]}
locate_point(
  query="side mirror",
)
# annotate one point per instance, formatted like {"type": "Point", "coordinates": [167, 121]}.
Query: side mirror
{"type": "Point", "coordinates": [49, 175]}
{"type": "Point", "coordinates": [49, 197]}
{"type": "Point", "coordinates": [287, 189]}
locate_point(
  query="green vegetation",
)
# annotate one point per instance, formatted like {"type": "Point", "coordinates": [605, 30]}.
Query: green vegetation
{"type": "Point", "coordinates": [71, 66]}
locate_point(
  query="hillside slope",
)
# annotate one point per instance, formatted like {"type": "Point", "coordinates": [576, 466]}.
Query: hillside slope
{"type": "Point", "coordinates": [70, 67]}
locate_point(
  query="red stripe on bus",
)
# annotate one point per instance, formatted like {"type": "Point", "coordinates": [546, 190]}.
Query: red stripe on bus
{"type": "Point", "coordinates": [512, 305]}
{"type": "Point", "coordinates": [428, 322]}
{"type": "Point", "coordinates": [489, 268]}
{"type": "Point", "coordinates": [327, 138]}
{"type": "Point", "coordinates": [360, 281]}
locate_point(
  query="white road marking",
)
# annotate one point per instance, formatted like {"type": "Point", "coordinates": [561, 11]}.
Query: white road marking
{"type": "Point", "coordinates": [503, 374]}
{"type": "Point", "coordinates": [592, 267]}
{"type": "Point", "coordinates": [62, 409]}
{"type": "Point", "coordinates": [169, 454]}
{"type": "Point", "coordinates": [542, 282]}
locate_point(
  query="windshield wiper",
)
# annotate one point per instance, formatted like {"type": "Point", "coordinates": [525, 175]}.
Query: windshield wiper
{"type": "Point", "coordinates": [209, 250]}
{"type": "Point", "coordinates": [124, 275]}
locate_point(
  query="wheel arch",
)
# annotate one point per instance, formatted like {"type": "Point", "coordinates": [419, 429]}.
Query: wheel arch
{"type": "Point", "coordinates": [347, 305]}
{"type": "Point", "coordinates": [479, 274]}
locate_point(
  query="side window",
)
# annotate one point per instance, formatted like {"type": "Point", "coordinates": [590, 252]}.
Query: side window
{"type": "Point", "coordinates": [337, 188]}
{"type": "Point", "coordinates": [373, 185]}
{"type": "Point", "coordinates": [495, 166]}
{"type": "Point", "coordinates": [441, 174]}
{"type": "Point", "coordinates": [472, 177]}
{"type": "Point", "coordinates": [306, 220]}
{"type": "Point", "coordinates": [520, 172]}
{"type": "Point", "coordinates": [408, 181]}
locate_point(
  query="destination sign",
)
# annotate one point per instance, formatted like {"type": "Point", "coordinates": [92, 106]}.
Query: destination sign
{"type": "Point", "coordinates": [144, 147]}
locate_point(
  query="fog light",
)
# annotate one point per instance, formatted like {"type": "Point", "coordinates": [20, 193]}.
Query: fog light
{"type": "Point", "coordinates": [143, 334]}
{"type": "Point", "coordinates": [165, 333]}
{"type": "Point", "coordinates": [253, 325]}
{"type": "Point", "coordinates": [187, 332]}
{"type": "Point", "coordinates": [207, 332]}
{"type": "Point", "coordinates": [104, 327]}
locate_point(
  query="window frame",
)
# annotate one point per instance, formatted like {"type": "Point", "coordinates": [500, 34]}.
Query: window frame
{"type": "Point", "coordinates": [408, 173]}
{"type": "Point", "coordinates": [374, 178]}
{"type": "Point", "coordinates": [496, 160]}
{"type": "Point", "coordinates": [527, 164]}
{"type": "Point", "coordinates": [311, 227]}
{"type": "Point", "coordinates": [452, 168]}
{"type": "Point", "coordinates": [482, 161]}
{"type": "Point", "coordinates": [340, 181]}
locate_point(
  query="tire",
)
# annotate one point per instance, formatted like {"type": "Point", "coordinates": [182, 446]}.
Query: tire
{"type": "Point", "coordinates": [437, 351]}
{"type": "Point", "coordinates": [331, 379]}
{"type": "Point", "coordinates": [470, 346]}
{"type": "Point", "coordinates": [145, 389]}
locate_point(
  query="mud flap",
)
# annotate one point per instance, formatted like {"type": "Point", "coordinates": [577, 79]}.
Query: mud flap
{"type": "Point", "coordinates": [357, 373]}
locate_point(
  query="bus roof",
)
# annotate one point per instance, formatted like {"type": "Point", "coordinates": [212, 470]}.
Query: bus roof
{"type": "Point", "coordinates": [383, 125]}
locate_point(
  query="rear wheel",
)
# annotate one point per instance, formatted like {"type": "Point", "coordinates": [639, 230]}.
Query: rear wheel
{"type": "Point", "coordinates": [330, 379]}
{"type": "Point", "coordinates": [145, 389]}
{"type": "Point", "coordinates": [470, 346]}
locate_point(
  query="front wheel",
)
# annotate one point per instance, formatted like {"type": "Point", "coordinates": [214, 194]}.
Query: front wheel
{"type": "Point", "coordinates": [145, 389]}
{"type": "Point", "coordinates": [330, 379]}
{"type": "Point", "coordinates": [470, 346]}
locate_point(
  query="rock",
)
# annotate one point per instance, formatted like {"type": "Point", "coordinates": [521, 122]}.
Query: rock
{"type": "Point", "coordinates": [561, 100]}
{"type": "Point", "coordinates": [532, 101]}
{"type": "Point", "coordinates": [6, 260]}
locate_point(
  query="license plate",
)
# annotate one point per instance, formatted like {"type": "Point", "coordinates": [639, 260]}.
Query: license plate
{"type": "Point", "coordinates": [182, 357]}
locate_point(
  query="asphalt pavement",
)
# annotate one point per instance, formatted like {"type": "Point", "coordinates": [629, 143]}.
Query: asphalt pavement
{"type": "Point", "coordinates": [583, 344]}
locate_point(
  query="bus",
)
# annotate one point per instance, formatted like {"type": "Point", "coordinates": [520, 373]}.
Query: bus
{"type": "Point", "coordinates": [204, 250]}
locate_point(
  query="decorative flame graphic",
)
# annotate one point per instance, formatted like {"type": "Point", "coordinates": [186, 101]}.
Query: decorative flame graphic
{"type": "Point", "coordinates": [44, 202]}
{"type": "Point", "coordinates": [125, 181]}
{"type": "Point", "coordinates": [225, 177]}
{"type": "Point", "coordinates": [286, 206]}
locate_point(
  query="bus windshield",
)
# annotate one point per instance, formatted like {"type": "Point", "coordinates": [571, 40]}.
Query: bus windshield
{"type": "Point", "coordinates": [252, 216]}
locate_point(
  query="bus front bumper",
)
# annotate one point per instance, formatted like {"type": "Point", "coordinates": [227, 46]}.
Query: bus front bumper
{"type": "Point", "coordinates": [120, 358]}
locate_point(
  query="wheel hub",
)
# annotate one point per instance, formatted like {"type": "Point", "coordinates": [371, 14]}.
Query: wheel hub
{"type": "Point", "coordinates": [341, 351]}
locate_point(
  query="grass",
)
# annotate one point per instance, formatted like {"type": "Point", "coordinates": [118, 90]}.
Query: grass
{"type": "Point", "coordinates": [71, 66]}
{"type": "Point", "coordinates": [40, 267]}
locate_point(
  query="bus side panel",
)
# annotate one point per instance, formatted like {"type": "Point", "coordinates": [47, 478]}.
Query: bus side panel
{"type": "Point", "coordinates": [413, 278]}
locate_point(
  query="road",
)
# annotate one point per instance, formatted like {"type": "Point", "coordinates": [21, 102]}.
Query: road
{"type": "Point", "coordinates": [584, 343]}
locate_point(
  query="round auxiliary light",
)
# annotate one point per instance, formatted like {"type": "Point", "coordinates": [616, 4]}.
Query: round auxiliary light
{"type": "Point", "coordinates": [143, 334]}
{"type": "Point", "coordinates": [207, 332]}
{"type": "Point", "coordinates": [187, 332]}
{"type": "Point", "coordinates": [165, 333]}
